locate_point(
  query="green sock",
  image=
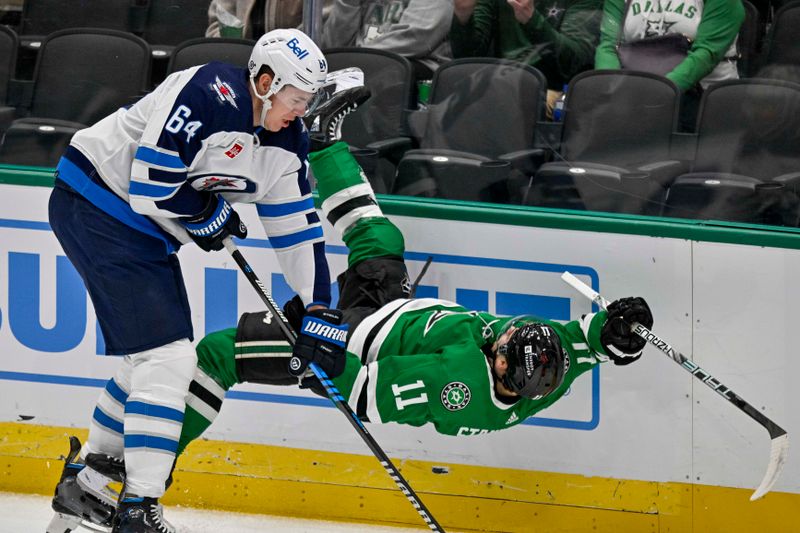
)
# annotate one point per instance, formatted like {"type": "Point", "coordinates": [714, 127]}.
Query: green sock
{"type": "Point", "coordinates": [335, 169]}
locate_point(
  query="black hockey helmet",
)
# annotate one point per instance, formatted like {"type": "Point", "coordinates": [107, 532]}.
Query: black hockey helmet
{"type": "Point", "coordinates": [536, 360]}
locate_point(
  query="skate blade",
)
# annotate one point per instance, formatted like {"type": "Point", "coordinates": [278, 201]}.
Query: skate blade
{"type": "Point", "coordinates": [63, 523]}
{"type": "Point", "coordinates": [91, 526]}
{"type": "Point", "coordinates": [99, 485]}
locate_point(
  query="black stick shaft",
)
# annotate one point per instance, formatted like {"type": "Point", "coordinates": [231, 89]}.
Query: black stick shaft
{"type": "Point", "coordinates": [333, 393]}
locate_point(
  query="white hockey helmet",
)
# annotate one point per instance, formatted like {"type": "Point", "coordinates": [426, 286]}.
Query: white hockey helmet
{"type": "Point", "coordinates": [294, 59]}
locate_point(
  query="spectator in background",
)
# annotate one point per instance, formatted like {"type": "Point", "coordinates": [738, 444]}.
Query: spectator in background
{"type": "Point", "coordinates": [416, 29]}
{"type": "Point", "coordinates": [558, 37]}
{"type": "Point", "coordinates": [254, 18]}
{"type": "Point", "coordinates": [711, 25]}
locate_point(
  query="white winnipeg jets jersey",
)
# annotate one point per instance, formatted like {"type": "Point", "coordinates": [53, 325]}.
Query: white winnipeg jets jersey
{"type": "Point", "coordinates": [194, 135]}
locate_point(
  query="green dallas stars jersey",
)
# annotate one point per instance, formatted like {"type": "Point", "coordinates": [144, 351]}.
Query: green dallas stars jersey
{"type": "Point", "coordinates": [413, 362]}
{"type": "Point", "coordinates": [420, 361]}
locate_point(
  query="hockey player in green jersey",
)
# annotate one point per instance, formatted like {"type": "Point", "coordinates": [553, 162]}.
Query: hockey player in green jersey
{"type": "Point", "coordinates": [408, 360]}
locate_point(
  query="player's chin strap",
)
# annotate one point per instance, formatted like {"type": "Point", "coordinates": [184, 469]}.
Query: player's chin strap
{"type": "Point", "coordinates": [265, 101]}
{"type": "Point", "coordinates": [273, 311]}
{"type": "Point", "coordinates": [780, 440]}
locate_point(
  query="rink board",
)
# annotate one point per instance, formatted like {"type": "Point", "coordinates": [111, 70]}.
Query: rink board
{"type": "Point", "coordinates": [638, 448]}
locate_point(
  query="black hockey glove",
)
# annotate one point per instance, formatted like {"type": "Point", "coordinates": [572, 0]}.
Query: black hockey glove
{"type": "Point", "coordinates": [621, 344]}
{"type": "Point", "coordinates": [321, 340]}
{"type": "Point", "coordinates": [217, 221]}
{"type": "Point", "coordinates": [294, 310]}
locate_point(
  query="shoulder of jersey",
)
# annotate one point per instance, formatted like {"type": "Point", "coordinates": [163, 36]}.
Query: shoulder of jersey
{"type": "Point", "coordinates": [222, 90]}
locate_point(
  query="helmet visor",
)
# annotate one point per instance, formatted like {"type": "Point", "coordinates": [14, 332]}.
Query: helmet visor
{"type": "Point", "coordinates": [295, 99]}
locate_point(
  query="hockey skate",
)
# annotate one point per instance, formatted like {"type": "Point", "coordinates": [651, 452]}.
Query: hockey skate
{"type": "Point", "coordinates": [84, 495]}
{"type": "Point", "coordinates": [141, 515]}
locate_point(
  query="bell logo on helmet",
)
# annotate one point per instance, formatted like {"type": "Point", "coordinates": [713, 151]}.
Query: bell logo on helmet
{"type": "Point", "coordinates": [294, 46]}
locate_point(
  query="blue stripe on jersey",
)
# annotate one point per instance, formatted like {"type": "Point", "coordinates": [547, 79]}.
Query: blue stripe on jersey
{"type": "Point", "coordinates": [149, 441]}
{"type": "Point", "coordinates": [153, 411]}
{"type": "Point", "coordinates": [287, 208]}
{"type": "Point", "coordinates": [108, 202]}
{"type": "Point", "coordinates": [151, 190]}
{"type": "Point", "coordinates": [107, 422]}
{"type": "Point", "coordinates": [285, 241]}
{"type": "Point", "coordinates": [116, 391]}
{"type": "Point", "coordinates": [148, 155]}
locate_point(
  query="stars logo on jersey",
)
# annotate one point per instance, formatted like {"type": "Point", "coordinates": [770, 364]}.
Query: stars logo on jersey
{"type": "Point", "coordinates": [656, 28]}
{"type": "Point", "coordinates": [455, 396]}
{"type": "Point", "coordinates": [554, 11]}
{"type": "Point", "coordinates": [224, 92]}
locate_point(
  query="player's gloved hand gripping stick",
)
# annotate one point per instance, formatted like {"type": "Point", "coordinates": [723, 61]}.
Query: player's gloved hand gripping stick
{"type": "Point", "coordinates": [333, 393]}
{"type": "Point", "coordinates": [780, 440]}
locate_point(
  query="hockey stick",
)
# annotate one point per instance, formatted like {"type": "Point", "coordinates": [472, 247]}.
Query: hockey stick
{"type": "Point", "coordinates": [780, 440]}
{"type": "Point", "coordinates": [333, 393]}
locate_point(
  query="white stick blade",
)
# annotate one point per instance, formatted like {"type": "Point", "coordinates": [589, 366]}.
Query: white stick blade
{"type": "Point", "coordinates": [579, 286]}
{"type": "Point", "coordinates": [777, 458]}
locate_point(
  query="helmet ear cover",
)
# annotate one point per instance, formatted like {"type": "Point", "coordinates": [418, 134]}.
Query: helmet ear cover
{"type": "Point", "coordinates": [535, 361]}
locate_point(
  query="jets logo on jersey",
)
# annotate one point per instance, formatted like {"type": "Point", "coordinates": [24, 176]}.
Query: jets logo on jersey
{"type": "Point", "coordinates": [224, 92]}
{"type": "Point", "coordinates": [234, 150]}
{"type": "Point", "coordinates": [213, 183]}
{"type": "Point", "coordinates": [455, 396]}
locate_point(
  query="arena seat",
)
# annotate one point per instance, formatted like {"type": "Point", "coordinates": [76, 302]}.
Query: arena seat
{"type": "Point", "coordinates": [746, 163]}
{"type": "Point", "coordinates": [170, 22]}
{"type": "Point", "coordinates": [479, 131]}
{"type": "Point", "coordinates": [81, 76]}
{"type": "Point", "coordinates": [749, 40]}
{"type": "Point", "coordinates": [377, 131]}
{"type": "Point", "coordinates": [8, 60]}
{"type": "Point", "coordinates": [205, 49]}
{"type": "Point", "coordinates": [782, 45]}
{"type": "Point", "coordinates": [43, 17]}
{"type": "Point", "coordinates": [615, 152]}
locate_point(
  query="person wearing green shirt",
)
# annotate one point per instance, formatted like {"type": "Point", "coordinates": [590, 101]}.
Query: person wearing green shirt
{"type": "Point", "coordinates": [557, 37]}
{"type": "Point", "coordinates": [712, 27]}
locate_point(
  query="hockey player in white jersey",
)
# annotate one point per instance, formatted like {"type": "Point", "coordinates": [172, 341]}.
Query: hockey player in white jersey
{"type": "Point", "coordinates": [132, 189]}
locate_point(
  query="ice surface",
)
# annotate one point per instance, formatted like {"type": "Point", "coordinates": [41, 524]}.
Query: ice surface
{"type": "Point", "coordinates": [23, 513]}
